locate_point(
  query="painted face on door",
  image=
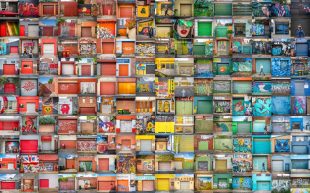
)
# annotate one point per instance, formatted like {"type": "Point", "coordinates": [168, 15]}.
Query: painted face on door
{"type": "Point", "coordinates": [184, 28]}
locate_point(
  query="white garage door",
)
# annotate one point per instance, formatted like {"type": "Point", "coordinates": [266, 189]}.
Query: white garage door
{"type": "Point", "coordinates": [277, 165]}
{"type": "Point", "coordinates": [67, 69]}
{"type": "Point", "coordinates": [145, 145]}
{"type": "Point", "coordinates": [33, 30]}
{"type": "Point", "coordinates": [48, 48]}
{"type": "Point", "coordinates": [31, 108]}
{"type": "Point", "coordinates": [185, 186]}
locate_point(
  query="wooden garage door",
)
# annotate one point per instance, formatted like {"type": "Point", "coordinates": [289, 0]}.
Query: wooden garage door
{"type": "Point", "coordinates": [122, 186]}
{"type": "Point", "coordinates": [220, 165]}
{"type": "Point", "coordinates": [104, 164]}
{"type": "Point", "coordinates": [8, 185]}
{"type": "Point", "coordinates": [163, 184]}
{"type": "Point", "coordinates": [145, 145]}
{"type": "Point", "coordinates": [147, 185]}
{"type": "Point", "coordinates": [277, 165]}
{"type": "Point", "coordinates": [107, 88]}
{"type": "Point", "coordinates": [106, 185]}
{"type": "Point", "coordinates": [164, 166]}
{"type": "Point", "coordinates": [8, 69]}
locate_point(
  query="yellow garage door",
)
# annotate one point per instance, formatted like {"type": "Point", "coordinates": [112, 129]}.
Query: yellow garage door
{"type": "Point", "coordinates": [163, 184]}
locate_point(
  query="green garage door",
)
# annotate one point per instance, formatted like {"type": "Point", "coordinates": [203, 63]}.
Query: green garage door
{"type": "Point", "coordinates": [204, 107]}
{"type": "Point", "coordinates": [262, 185]}
{"type": "Point", "coordinates": [204, 28]}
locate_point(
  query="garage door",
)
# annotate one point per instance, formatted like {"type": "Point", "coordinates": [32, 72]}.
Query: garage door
{"type": "Point", "coordinates": [186, 10]}
{"type": "Point", "coordinates": [86, 70]}
{"type": "Point", "coordinates": [8, 185]}
{"type": "Point", "coordinates": [8, 69]}
{"type": "Point", "coordinates": [178, 165]}
{"type": "Point", "coordinates": [221, 165]}
{"type": "Point", "coordinates": [147, 185]}
{"type": "Point", "coordinates": [28, 146]}
{"type": "Point", "coordinates": [277, 166]}
{"type": "Point", "coordinates": [164, 166]}
{"type": "Point", "coordinates": [185, 185]}
{"type": "Point", "coordinates": [145, 145]}
{"type": "Point", "coordinates": [31, 108]}
{"type": "Point", "coordinates": [70, 163]}
{"type": "Point", "coordinates": [163, 184]}
{"type": "Point", "coordinates": [33, 30]}
{"type": "Point", "coordinates": [300, 149]}
{"type": "Point", "coordinates": [107, 88]}
{"type": "Point", "coordinates": [106, 185]}
{"type": "Point", "coordinates": [263, 185]}
{"type": "Point", "coordinates": [122, 186]}
{"type": "Point", "coordinates": [67, 69]}
{"type": "Point", "coordinates": [126, 144]}
{"type": "Point", "coordinates": [258, 163]}
{"type": "Point", "coordinates": [48, 48]}
{"type": "Point", "coordinates": [87, 110]}
{"type": "Point", "coordinates": [44, 183]}
{"type": "Point", "coordinates": [108, 69]}
{"type": "Point", "coordinates": [104, 164]}
{"type": "Point", "coordinates": [300, 164]}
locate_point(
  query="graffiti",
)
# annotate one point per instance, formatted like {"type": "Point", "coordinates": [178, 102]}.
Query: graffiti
{"type": "Point", "coordinates": [262, 107]}
{"type": "Point", "coordinates": [282, 145]}
{"type": "Point", "coordinates": [242, 163]}
{"type": "Point", "coordinates": [280, 185]}
{"type": "Point", "coordinates": [242, 145]}
{"type": "Point", "coordinates": [242, 183]}
{"type": "Point", "coordinates": [86, 146]}
{"type": "Point", "coordinates": [299, 105]}
{"type": "Point", "coordinates": [262, 87]}
{"type": "Point", "coordinates": [221, 106]}
{"type": "Point", "coordinates": [126, 164]}
{"type": "Point", "coordinates": [281, 88]}
{"type": "Point", "coordinates": [278, 10]}
{"type": "Point", "coordinates": [242, 107]}
{"type": "Point", "coordinates": [28, 86]}
{"type": "Point", "coordinates": [281, 67]}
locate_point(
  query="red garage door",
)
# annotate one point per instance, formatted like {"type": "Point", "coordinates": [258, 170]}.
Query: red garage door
{"type": "Point", "coordinates": [86, 70]}
{"type": "Point", "coordinates": [28, 146]}
{"type": "Point", "coordinates": [9, 69]}
{"type": "Point", "coordinates": [107, 88]}
{"type": "Point", "coordinates": [8, 185]}
{"type": "Point", "coordinates": [87, 110]}
{"type": "Point", "coordinates": [44, 183]}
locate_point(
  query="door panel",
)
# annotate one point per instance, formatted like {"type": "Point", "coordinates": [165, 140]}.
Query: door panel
{"type": "Point", "coordinates": [277, 166]}
{"type": "Point", "coordinates": [44, 183]}
{"type": "Point", "coordinates": [163, 184]}
{"type": "Point", "coordinates": [145, 145]}
{"type": "Point", "coordinates": [123, 69]}
{"type": "Point", "coordinates": [104, 164]}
